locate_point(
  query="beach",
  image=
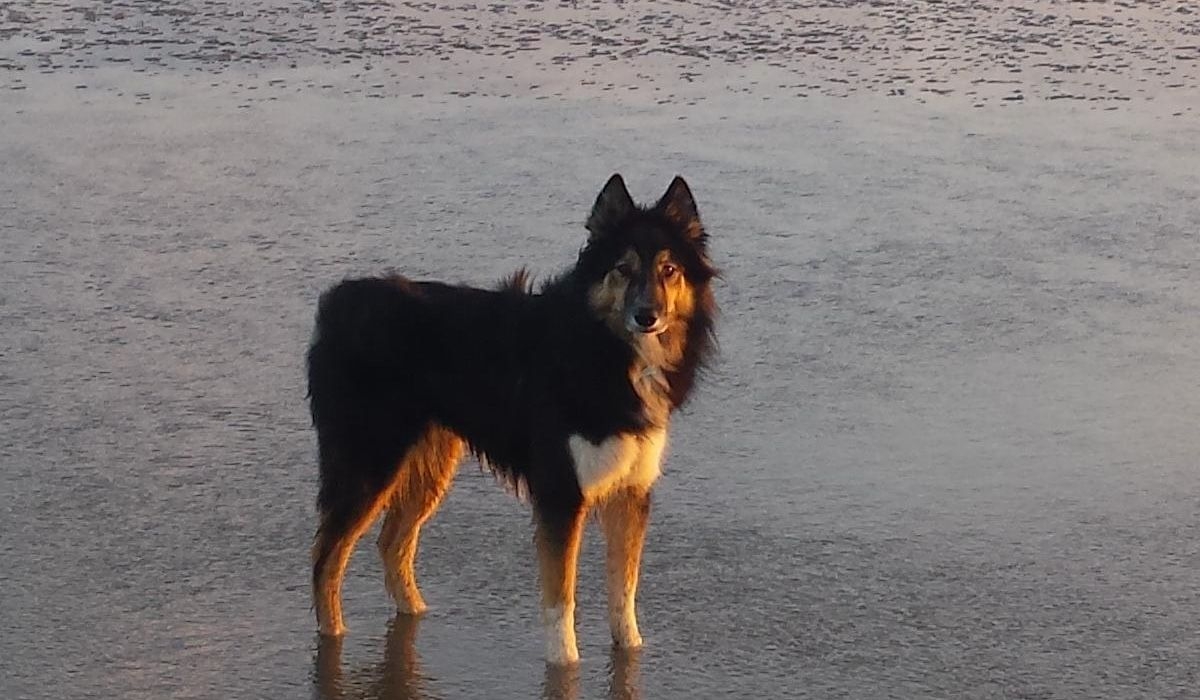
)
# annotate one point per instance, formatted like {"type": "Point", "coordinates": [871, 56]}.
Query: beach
{"type": "Point", "coordinates": [947, 448]}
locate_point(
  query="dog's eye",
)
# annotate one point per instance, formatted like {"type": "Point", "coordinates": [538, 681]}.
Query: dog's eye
{"type": "Point", "coordinates": [624, 269]}
{"type": "Point", "coordinates": [669, 271]}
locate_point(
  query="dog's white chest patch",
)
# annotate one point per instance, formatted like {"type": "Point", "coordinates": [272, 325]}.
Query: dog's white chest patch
{"type": "Point", "coordinates": [618, 461]}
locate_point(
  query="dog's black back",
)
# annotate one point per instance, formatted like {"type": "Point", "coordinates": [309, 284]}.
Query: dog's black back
{"type": "Point", "coordinates": [499, 368]}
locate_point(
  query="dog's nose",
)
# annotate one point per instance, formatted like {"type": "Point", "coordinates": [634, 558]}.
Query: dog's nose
{"type": "Point", "coordinates": [645, 318]}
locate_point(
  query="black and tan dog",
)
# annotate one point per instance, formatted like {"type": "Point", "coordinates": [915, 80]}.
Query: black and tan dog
{"type": "Point", "coordinates": [565, 394]}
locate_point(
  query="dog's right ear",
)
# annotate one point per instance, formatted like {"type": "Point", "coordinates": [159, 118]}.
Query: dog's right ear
{"type": "Point", "coordinates": [680, 207]}
{"type": "Point", "coordinates": [613, 204]}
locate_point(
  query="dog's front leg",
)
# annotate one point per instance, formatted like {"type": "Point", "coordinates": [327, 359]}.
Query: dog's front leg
{"type": "Point", "coordinates": [558, 538]}
{"type": "Point", "coordinates": [625, 516]}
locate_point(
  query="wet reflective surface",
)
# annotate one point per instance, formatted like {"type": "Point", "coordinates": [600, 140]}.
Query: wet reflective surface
{"type": "Point", "coordinates": [948, 450]}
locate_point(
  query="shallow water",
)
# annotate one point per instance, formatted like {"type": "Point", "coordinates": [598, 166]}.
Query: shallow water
{"type": "Point", "coordinates": [948, 450]}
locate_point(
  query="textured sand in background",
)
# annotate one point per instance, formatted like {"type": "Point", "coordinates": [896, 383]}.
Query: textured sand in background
{"type": "Point", "coordinates": [1098, 52]}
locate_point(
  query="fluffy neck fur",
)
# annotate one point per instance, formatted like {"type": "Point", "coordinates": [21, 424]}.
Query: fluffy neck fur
{"type": "Point", "coordinates": [663, 369]}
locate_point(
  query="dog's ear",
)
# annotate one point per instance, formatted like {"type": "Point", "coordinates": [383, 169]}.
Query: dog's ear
{"type": "Point", "coordinates": [680, 208]}
{"type": "Point", "coordinates": [613, 204]}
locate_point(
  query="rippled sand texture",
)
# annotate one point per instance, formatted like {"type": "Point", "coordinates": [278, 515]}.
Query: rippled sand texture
{"type": "Point", "coordinates": [1099, 52]}
{"type": "Point", "coordinates": [949, 448]}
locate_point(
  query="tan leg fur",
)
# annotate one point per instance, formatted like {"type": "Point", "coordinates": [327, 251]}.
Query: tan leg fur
{"type": "Point", "coordinates": [422, 484]}
{"type": "Point", "coordinates": [558, 553]}
{"type": "Point", "coordinates": [625, 516]}
{"type": "Point", "coordinates": [327, 588]}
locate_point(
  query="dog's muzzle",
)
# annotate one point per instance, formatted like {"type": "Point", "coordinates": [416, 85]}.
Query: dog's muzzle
{"type": "Point", "coordinates": [645, 321]}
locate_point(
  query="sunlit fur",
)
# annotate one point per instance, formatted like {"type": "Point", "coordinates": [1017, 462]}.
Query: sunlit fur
{"type": "Point", "coordinates": [565, 394]}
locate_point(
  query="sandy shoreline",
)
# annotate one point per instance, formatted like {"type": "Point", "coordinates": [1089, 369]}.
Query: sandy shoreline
{"type": "Point", "coordinates": [1100, 54]}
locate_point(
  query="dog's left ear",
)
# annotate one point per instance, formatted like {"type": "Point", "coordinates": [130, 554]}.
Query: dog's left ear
{"type": "Point", "coordinates": [679, 206]}
{"type": "Point", "coordinates": [612, 205]}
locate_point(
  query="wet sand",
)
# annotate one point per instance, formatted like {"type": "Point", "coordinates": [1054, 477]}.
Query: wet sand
{"type": "Point", "coordinates": [949, 448]}
{"type": "Point", "coordinates": [1103, 54]}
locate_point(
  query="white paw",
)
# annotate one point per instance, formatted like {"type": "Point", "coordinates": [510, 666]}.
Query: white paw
{"type": "Point", "coordinates": [628, 641]}
{"type": "Point", "coordinates": [561, 654]}
{"type": "Point", "coordinates": [559, 624]}
{"type": "Point", "coordinates": [625, 628]}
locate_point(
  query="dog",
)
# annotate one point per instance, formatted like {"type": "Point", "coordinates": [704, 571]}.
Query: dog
{"type": "Point", "coordinates": [564, 394]}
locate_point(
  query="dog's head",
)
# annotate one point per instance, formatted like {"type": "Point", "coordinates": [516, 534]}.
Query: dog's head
{"type": "Point", "coordinates": [647, 268]}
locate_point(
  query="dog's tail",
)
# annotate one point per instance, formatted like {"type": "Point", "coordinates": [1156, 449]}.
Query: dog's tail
{"type": "Point", "coordinates": [519, 282]}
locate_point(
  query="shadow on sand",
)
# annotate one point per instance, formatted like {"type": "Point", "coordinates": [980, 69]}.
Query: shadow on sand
{"type": "Point", "coordinates": [399, 675]}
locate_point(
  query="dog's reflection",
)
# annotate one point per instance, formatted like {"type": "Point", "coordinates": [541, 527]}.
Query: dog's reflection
{"type": "Point", "coordinates": [562, 683]}
{"type": "Point", "coordinates": [399, 676]}
{"type": "Point", "coordinates": [623, 681]}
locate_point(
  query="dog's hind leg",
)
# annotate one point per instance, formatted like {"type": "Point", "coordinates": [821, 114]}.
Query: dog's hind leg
{"type": "Point", "coordinates": [340, 529]}
{"type": "Point", "coordinates": [625, 516]}
{"type": "Point", "coordinates": [558, 536]}
{"type": "Point", "coordinates": [424, 478]}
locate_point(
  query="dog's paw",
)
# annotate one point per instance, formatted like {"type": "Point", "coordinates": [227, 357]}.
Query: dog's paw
{"type": "Point", "coordinates": [624, 626]}
{"type": "Point", "coordinates": [407, 596]}
{"type": "Point", "coordinates": [559, 625]}
{"type": "Point", "coordinates": [412, 607]}
{"type": "Point", "coordinates": [561, 654]}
